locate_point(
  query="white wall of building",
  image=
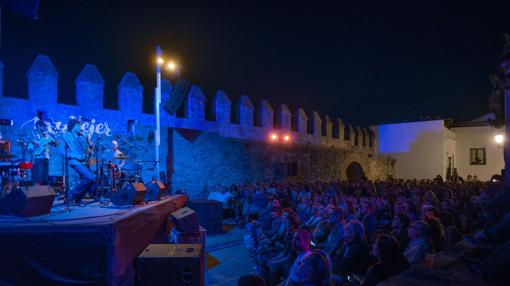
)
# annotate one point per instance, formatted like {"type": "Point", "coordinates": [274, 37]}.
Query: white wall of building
{"type": "Point", "coordinates": [450, 150]}
{"type": "Point", "coordinates": [418, 147]}
{"type": "Point", "coordinates": [479, 137]}
{"type": "Point", "coordinates": [422, 149]}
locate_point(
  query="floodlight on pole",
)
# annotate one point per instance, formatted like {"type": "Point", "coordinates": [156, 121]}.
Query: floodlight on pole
{"type": "Point", "coordinates": [172, 66]}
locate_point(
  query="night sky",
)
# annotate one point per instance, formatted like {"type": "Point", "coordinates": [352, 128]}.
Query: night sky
{"type": "Point", "coordinates": [367, 63]}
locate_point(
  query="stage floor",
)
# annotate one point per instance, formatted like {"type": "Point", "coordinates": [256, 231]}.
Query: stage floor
{"type": "Point", "coordinates": [92, 245]}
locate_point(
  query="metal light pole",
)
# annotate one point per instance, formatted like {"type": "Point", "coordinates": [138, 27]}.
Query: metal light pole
{"type": "Point", "coordinates": [157, 103]}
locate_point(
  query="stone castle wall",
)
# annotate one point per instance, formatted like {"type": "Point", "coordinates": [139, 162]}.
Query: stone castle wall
{"type": "Point", "coordinates": [252, 123]}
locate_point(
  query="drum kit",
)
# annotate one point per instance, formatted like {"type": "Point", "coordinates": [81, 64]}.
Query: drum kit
{"type": "Point", "coordinates": [14, 172]}
{"type": "Point", "coordinates": [114, 172]}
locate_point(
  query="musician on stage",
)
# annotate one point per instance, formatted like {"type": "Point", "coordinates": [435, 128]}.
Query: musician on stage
{"type": "Point", "coordinates": [78, 147]}
{"type": "Point", "coordinates": [40, 148]}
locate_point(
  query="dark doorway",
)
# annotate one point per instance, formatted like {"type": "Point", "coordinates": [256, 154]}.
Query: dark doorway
{"type": "Point", "coordinates": [354, 172]}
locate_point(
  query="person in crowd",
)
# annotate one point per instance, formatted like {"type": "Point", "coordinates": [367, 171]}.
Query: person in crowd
{"type": "Point", "coordinates": [353, 258]}
{"type": "Point", "coordinates": [418, 242]}
{"type": "Point", "coordinates": [320, 234]}
{"type": "Point", "coordinates": [336, 235]}
{"type": "Point", "coordinates": [399, 225]}
{"type": "Point", "coordinates": [222, 194]}
{"type": "Point", "coordinates": [436, 233]}
{"type": "Point", "coordinates": [391, 260]}
{"type": "Point", "coordinates": [314, 269]}
{"type": "Point", "coordinates": [382, 213]}
{"type": "Point", "coordinates": [276, 222]}
{"type": "Point", "coordinates": [301, 240]}
{"type": "Point", "coordinates": [368, 218]}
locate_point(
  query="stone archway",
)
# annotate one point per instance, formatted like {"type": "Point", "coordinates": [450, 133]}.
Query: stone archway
{"type": "Point", "coordinates": [354, 172]}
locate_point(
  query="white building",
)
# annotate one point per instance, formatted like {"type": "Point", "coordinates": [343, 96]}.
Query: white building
{"type": "Point", "coordinates": [425, 149]}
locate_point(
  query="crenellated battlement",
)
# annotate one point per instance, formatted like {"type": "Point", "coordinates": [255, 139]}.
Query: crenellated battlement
{"type": "Point", "coordinates": [251, 121]}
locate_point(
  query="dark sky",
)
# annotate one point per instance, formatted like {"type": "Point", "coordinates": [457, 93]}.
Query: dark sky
{"type": "Point", "coordinates": [365, 62]}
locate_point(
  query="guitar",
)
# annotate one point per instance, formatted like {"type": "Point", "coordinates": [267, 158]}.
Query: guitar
{"type": "Point", "coordinates": [40, 145]}
{"type": "Point", "coordinates": [90, 148]}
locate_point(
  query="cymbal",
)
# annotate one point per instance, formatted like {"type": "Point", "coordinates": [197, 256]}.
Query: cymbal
{"type": "Point", "coordinates": [121, 157]}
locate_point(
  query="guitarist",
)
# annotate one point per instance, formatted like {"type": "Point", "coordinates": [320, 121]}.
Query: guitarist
{"type": "Point", "coordinates": [40, 147]}
{"type": "Point", "coordinates": [77, 146]}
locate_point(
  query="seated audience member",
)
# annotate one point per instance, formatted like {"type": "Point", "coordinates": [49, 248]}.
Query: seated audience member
{"type": "Point", "coordinates": [391, 260]}
{"type": "Point", "coordinates": [315, 218]}
{"type": "Point", "coordinates": [301, 246]}
{"type": "Point", "coordinates": [224, 196]}
{"type": "Point", "coordinates": [382, 213]}
{"type": "Point", "coordinates": [251, 280]}
{"type": "Point", "coordinates": [368, 218]}
{"type": "Point", "coordinates": [314, 269]}
{"type": "Point", "coordinates": [265, 218]}
{"type": "Point", "coordinates": [276, 222]}
{"type": "Point", "coordinates": [279, 255]}
{"type": "Point", "coordinates": [400, 225]}
{"type": "Point", "coordinates": [336, 235]}
{"type": "Point", "coordinates": [452, 234]}
{"type": "Point", "coordinates": [353, 258]}
{"type": "Point", "coordinates": [436, 233]}
{"type": "Point", "coordinates": [418, 242]}
{"type": "Point", "coordinates": [320, 234]}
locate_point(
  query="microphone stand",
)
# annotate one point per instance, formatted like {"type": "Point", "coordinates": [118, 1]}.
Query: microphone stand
{"type": "Point", "coordinates": [67, 190]}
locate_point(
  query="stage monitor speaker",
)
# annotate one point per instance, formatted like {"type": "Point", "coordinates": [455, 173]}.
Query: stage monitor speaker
{"type": "Point", "coordinates": [130, 194]}
{"type": "Point", "coordinates": [185, 219]}
{"type": "Point", "coordinates": [210, 215]}
{"type": "Point", "coordinates": [154, 191]}
{"type": "Point", "coordinates": [170, 265]}
{"type": "Point", "coordinates": [30, 201]}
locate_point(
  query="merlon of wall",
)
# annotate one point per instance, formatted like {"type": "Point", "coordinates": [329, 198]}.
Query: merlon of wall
{"type": "Point", "coordinates": [265, 115]}
{"type": "Point", "coordinates": [195, 104]}
{"type": "Point", "coordinates": [130, 94]}
{"type": "Point", "coordinates": [244, 111]}
{"type": "Point", "coordinates": [90, 87]}
{"type": "Point", "coordinates": [301, 121]}
{"type": "Point", "coordinates": [222, 107]}
{"type": "Point", "coordinates": [316, 124]}
{"type": "Point", "coordinates": [327, 127]}
{"type": "Point", "coordinates": [284, 118]}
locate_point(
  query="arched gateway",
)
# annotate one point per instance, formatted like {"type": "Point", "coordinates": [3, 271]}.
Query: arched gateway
{"type": "Point", "coordinates": [354, 172]}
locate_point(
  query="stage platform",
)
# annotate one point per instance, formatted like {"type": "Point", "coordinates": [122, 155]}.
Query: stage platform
{"type": "Point", "coordinates": [90, 245]}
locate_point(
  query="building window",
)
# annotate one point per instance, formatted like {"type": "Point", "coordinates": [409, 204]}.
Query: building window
{"type": "Point", "coordinates": [477, 156]}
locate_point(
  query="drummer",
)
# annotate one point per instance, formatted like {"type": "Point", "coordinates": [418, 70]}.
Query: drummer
{"type": "Point", "coordinates": [116, 154]}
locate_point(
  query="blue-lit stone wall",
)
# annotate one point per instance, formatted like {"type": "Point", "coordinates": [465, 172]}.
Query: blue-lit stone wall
{"type": "Point", "coordinates": [247, 136]}
{"type": "Point", "coordinates": [210, 160]}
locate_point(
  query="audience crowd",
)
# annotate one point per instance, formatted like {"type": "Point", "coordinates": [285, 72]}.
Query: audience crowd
{"type": "Point", "coordinates": [342, 233]}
